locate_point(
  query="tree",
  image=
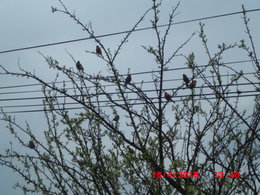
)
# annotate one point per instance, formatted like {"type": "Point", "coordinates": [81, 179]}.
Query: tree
{"type": "Point", "coordinates": [91, 153]}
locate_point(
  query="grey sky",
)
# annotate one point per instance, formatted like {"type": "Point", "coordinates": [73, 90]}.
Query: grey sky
{"type": "Point", "coordinates": [30, 22]}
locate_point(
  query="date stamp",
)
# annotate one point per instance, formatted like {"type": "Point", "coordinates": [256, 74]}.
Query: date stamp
{"type": "Point", "coordinates": [221, 174]}
{"type": "Point", "coordinates": [185, 175]}
{"type": "Point", "coordinates": [175, 174]}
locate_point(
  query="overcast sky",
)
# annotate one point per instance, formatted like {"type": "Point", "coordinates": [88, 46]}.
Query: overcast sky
{"type": "Point", "coordinates": [28, 23]}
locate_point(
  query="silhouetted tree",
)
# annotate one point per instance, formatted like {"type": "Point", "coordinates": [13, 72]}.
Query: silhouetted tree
{"type": "Point", "coordinates": [94, 151]}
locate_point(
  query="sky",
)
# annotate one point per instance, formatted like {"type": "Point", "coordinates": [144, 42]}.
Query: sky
{"type": "Point", "coordinates": [29, 23]}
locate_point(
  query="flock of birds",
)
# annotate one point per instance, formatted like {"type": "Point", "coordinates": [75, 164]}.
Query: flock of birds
{"type": "Point", "coordinates": [99, 52]}
{"type": "Point", "coordinates": [167, 96]}
{"type": "Point", "coordinates": [189, 84]}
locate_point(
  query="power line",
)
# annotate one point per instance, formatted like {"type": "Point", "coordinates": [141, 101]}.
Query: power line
{"type": "Point", "coordinates": [131, 104]}
{"type": "Point", "coordinates": [130, 92]}
{"type": "Point", "coordinates": [111, 85]}
{"type": "Point", "coordinates": [113, 93]}
{"type": "Point", "coordinates": [123, 32]}
{"type": "Point", "coordinates": [135, 73]}
{"type": "Point", "coordinates": [107, 101]}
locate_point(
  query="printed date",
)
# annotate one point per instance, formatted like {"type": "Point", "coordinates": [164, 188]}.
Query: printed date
{"type": "Point", "coordinates": [175, 174]}
{"type": "Point", "coordinates": [184, 175]}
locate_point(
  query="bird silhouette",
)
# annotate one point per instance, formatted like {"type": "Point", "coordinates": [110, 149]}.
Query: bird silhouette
{"type": "Point", "coordinates": [79, 66]}
{"type": "Point", "coordinates": [186, 79]}
{"type": "Point", "coordinates": [31, 144]}
{"type": "Point", "coordinates": [116, 119]}
{"type": "Point", "coordinates": [168, 97]}
{"type": "Point", "coordinates": [98, 50]}
{"type": "Point", "coordinates": [192, 84]}
{"type": "Point", "coordinates": [128, 80]}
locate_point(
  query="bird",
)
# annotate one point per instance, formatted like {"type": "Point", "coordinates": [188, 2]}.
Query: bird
{"type": "Point", "coordinates": [79, 66]}
{"type": "Point", "coordinates": [192, 84]}
{"type": "Point", "coordinates": [128, 80]}
{"type": "Point", "coordinates": [31, 144]}
{"type": "Point", "coordinates": [116, 119]}
{"type": "Point", "coordinates": [168, 97]}
{"type": "Point", "coordinates": [98, 50]}
{"type": "Point", "coordinates": [186, 79]}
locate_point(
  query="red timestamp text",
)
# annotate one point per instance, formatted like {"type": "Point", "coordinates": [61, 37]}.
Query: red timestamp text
{"type": "Point", "coordinates": [184, 175]}
{"type": "Point", "coordinates": [221, 174]}
{"type": "Point", "coordinates": [175, 174]}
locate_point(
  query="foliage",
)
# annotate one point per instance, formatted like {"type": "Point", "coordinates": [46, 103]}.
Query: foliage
{"type": "Point", "coordinates": [88, 152]}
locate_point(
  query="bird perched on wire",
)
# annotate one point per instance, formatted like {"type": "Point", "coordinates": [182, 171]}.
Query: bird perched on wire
{"type": "Point", "coordinates": [31, 144]}
{"type": "Point", "coordinates": [98, 50]}
{"type": "Point", "coordinates": [192, 84]}
{"type": "Point", "coordinates": [128, 80]}
{"type": "Point", "coordinates": [186, 79]}
{"type": "Point", "coordinates": [116, 119]}
{"type": "Point", "coordinates": [168, 97]}
{"type": "Point", "coordinates": [79, 66]}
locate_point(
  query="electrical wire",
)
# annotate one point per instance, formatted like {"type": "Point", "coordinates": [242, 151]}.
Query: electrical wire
{"type": "Point", "coordinates": [127, 93]}
{"type": "Point", "coordinates": [123, 75]}
{"type": "Point", "coordinates": [127, 31]}
{"type": "Point", "coordinates": [114, 93]}
{"type": "Point", "coordinates": [130, 104]}
{"type": "Point", "coordinates": [112, 85]}
{"type": "Point", "coordinates": [106, 101]}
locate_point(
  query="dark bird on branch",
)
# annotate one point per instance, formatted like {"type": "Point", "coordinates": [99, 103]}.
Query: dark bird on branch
{"type": "Point", "coordinates": [31, 144]}
{"type": "Point", "coordinates": [128, 80]}
{"type": "Point", "coordinates": [79, 66]}
{"type": "Point", "coordinates": [192, 84]}
{"type": "Point", "coordinates": [98, 50]}
{"type": "Point", "coordinates": [186, 79]}
{"type": "Point", "coordinates": [168, 97]}
{"type": "Point", "coordinates": [116, 119]}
